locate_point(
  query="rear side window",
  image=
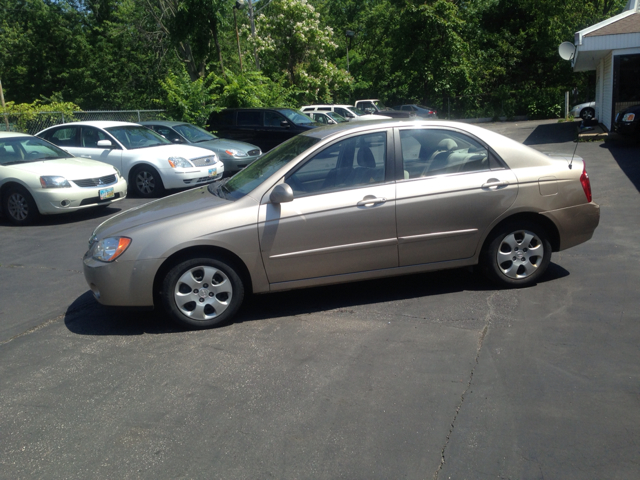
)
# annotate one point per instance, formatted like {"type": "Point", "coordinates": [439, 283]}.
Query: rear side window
{"type": "Point", "coordinates": [249, 118]}
{"type": "Point", "coordinates": [221, 118]}
{"type": "Point", "coordinates": [429, 152]}
{"type": "Point", "coordinates": [63, 137]}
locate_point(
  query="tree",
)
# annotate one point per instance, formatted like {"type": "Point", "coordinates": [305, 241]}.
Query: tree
{"type": "Point", "coordinates": [294, 45]}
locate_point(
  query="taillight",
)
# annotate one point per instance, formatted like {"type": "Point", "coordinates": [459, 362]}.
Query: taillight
{"type": "Point", "coordinates": [586, 184]}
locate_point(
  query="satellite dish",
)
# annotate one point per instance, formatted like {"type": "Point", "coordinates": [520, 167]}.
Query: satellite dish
{"type": "Point", "coordinates": [567, 50]}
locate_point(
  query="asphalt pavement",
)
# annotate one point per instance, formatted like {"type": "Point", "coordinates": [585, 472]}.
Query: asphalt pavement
{"type": "Point", "coordinates": [438, 376]}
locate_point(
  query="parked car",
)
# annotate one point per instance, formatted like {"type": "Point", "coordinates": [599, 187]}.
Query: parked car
{"type": "Point", "coordinates": [326, 118]}
{"type": "Point", "coordinates": [585, 111]}
{"type": "Point", "coordinates": [37, 177]}
{"type": "Point", "coordinates": [376, 107]}
{"type": "Point", "coordinates": [627, 121]}
{"type": "Point", "coordinates": [149, 162]}
{"type": "Point", "coordinates": [235, 155]}
{"type": "Point", "coordinates": [264, 127]}
{"type": "Point", "coordinates": [347, 202]}
{"type": "Point", "coordinates": [419, 110]}
{"type": "Point", "coordinates": [349, 112]}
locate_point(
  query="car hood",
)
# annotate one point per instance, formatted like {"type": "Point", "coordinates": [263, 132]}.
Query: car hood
{"type": "Point", "coordinates": [188, 202]}
{"type": "Point", "coordinates": [166, 151]}
{"type": "Point", "coordinates": [224, 143]}
{"type": "Point", "coordinates": [632, 109]}
{"type": "Point", "coordinates": [70, 168]}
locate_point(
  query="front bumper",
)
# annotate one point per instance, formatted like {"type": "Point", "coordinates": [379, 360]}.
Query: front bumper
{"type": "Point", "coordinates": [190, 177]}
{"type": "Point", "coordinates": [627, 128]}
{"type": "Point", "coordinates": [60, 200]}
{"type": "Point", "coordinates": [121, 283]}
{"type": "Point", "coordinates": [575, 224]}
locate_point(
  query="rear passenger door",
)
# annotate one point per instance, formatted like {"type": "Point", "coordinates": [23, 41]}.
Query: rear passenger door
{"type": "Point", "coordinates": [451, 188]}
{"type": "Point", "coordinates": [66, 138]}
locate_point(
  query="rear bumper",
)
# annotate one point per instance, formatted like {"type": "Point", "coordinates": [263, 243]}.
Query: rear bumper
{"type": "Point", "coordinates": [575, 224]}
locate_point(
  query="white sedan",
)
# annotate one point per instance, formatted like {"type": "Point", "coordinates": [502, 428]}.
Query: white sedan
{"type": "Point", "coordinates": [149, 162]}
{"type": "Point", "coordinates": [37, 177]}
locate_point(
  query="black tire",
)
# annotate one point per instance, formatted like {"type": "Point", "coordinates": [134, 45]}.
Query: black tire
{"type": "Point", "coordinates": [146, 182]}
{"type": "Point", "coordinates": [516, 254]}
{"type": "Point", "coordinates": [18, 206]}
{"type": "Point", "coordinates": [202, 292]}
{"type": "Point", "coordinates": [587, 113]}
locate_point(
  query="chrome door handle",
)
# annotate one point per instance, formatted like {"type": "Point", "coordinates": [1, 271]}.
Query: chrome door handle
{"type": "Point", "coordinates": [494, 184]}
{"type": "Point", "coordinates": [371, 200]}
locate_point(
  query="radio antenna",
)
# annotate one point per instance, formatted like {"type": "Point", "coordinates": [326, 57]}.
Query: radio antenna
{"type": "Point", "coordinates": [574, 153]}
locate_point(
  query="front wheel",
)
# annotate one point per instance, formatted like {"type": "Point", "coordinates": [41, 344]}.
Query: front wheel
{"type": "Point", "coordinates": [587, 113]}
{"type": "Point", "coordinates": [202, 292]}
{"type": "Point", "coordinates": [19, 207]}
{"type": "Point", "coordinates": [147, 182]}
{"type": "Point", "coordinates": [517, 255]}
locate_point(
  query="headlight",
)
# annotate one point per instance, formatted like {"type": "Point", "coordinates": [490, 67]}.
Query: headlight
{"type": "Point", "coordinates": [179, 162]}
{"type": "Point", "coordinates": [629, 117]}
{"type": "Point", "coordinates": [118, 172]}
{"type": "Point", "coordinates": [108, 249]}
{"type": "Point", "coordinates": [50, 181]}
{"type": "Point", "coordinates": [235, 153]}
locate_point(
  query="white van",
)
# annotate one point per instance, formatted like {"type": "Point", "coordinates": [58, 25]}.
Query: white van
{"type": "Point", "coordinates": [349, 112]}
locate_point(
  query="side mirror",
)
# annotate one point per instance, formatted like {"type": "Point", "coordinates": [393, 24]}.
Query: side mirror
{"type": "Point", "coordinates": [105, 144]}
{"type": "Point", "coordinates": [281, 194]}
{"type": "Point", "coordinates": [285, 123]}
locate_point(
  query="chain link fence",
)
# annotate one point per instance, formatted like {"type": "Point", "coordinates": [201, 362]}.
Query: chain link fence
{"type": "Point", "coordinates": [32, 123]}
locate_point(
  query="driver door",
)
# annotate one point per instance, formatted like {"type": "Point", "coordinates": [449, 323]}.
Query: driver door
{"type": "Point", "coordinates": [88, 147]}
{"type": "Point", "coordinates": [342, 218]}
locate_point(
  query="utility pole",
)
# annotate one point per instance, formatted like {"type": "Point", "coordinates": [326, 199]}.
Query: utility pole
{"type": "Point", "coordinates": [237, 6]}
{"type": "Point", "coordinates": [350, 34]}
{"type": "Point", "coordinates": [4, 114]}
{"type": "Point", "coordinates": [253, 33]}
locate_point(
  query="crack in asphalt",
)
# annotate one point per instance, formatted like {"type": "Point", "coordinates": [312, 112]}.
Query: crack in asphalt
{"type": "Point", "coordinates": [46, 323]}
{"type": "Point", "coordinates": [483, 334]}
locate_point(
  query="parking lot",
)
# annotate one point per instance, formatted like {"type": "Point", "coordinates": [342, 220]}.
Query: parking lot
{"type": "Point", "coordinates": [436, 376]}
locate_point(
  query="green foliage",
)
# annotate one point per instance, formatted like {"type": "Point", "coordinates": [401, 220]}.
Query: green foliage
{"type": "Point", "coordinates": [24, 114]}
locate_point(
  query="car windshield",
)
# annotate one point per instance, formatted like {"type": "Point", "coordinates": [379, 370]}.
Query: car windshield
{"type": "Point", "coordinates": [358, 111]}
{"type": "Point", "coordinates": [380, 105]}
{"type": "Point", "coordinates": [14, 150]}
{"type": "Point", "coordinates": [252, 176]}
{"type": "Point", "coordinates": [133, 137]}
{"type": "Point", "coordinates": [296, 117]}
{"type": "Point", "coordinates": [194, 134]}
{"type": "Point", "coordinates": [337, 117]}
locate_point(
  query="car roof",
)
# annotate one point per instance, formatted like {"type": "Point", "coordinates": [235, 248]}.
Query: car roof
{"type": "Point", "coordinates": [166, 123]}
{"type": "Point", "coordinates": [328, 105]}
{"type": "Point", "coordinates": [98, 123]}
{"type": "Point", "coordinates": [329, 131]}
{"type": "Point", "coordinates": [13, 134]}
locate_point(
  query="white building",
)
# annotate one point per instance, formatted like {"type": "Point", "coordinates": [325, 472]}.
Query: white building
{"type": "Point", "coordinates": [612, 49]}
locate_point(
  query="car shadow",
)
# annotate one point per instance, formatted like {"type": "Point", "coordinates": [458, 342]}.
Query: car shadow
{"type": "Point", "coordinates": [86, 317]}
{"type": "Point", "coordinates": [626, 152]}
{"type": "Point", "coordinates": [553, 133]}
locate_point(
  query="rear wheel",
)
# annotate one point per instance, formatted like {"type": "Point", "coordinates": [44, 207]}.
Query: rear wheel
{"type": "Point", "coordinates": [147, 182]}
{"type": "Point", "coordinates": [587, 113]}
{"type": "Point", "coordinates": [202, 292]}
{"type": "Point", "coordinates": [517, 255]}
{"type": "Point", "coordinates": [18, 206]}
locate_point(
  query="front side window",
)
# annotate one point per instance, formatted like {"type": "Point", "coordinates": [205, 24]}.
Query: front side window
{"type": "Point", "coordinates": [429, 152]}
{"type": "Point", "coordinates": [273, 119]}
{"type": "Point", "coordinates": [91, 136]}
{"type": "Point", "coordinates": [293, 116]}
{"type": "Point", "coordinates": [256, 173]}
{"type": "Point", "coordinates": [350, 163]}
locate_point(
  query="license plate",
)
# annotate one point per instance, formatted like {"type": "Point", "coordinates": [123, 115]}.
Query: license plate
{"type": "Point", "coordinates": [106, 193]}
{"type": "Point", "coordinates": [213, 172]}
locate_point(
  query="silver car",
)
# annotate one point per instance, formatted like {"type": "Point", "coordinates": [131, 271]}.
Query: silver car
{"type": "Point", "coordinates": [349, 202]}
{"type": "Point", "coordinates": [234, 154]}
